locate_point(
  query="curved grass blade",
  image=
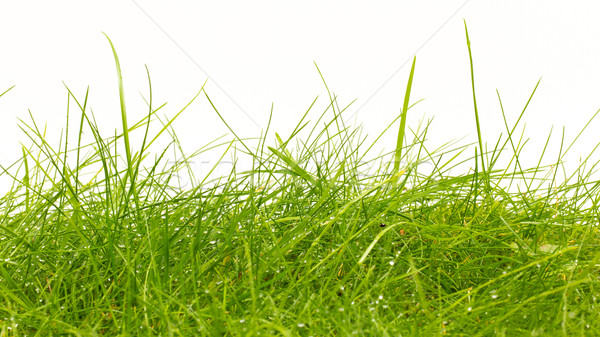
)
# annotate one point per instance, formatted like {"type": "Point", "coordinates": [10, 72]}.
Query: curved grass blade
{"type": "Point", "coordinates": [481, 152]}
{"type": "Point", "coordinates": [402, 129]}
{"type": "Point", "coordinates": [123, 112]}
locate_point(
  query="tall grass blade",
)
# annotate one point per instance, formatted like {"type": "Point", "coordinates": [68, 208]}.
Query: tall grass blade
{"type": "Point", "coordinates": [481, 151]}
{"type": "Point", "coordinates": [401, 130]}
{"type": "Point", "coordinates": [123, 113]}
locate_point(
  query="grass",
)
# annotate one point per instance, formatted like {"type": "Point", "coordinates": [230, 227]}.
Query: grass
{"type": "Point", "coordinates": [319, 238]}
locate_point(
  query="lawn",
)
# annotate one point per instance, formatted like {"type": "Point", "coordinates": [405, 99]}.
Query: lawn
{"type": "Point", "coordinates": [320, 237]}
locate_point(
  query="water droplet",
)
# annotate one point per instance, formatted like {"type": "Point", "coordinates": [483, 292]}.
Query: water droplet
{"type": "Point", "coordinates": [469, 309]}
{"type": "Point", "coordinates": [301, 325]}
{"type": "Point", "coordinates": [391, 263]}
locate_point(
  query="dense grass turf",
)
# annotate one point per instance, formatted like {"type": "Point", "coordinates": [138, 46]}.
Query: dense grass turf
{"type": "Point", "coordinates": [320, 237]}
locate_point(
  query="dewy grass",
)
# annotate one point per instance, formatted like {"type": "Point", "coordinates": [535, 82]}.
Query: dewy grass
{"type": "Point", "coordinates": [318, 238]}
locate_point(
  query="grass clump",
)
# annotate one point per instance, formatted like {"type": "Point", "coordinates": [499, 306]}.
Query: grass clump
{"type": "Point", "coordinates": [318, 237]}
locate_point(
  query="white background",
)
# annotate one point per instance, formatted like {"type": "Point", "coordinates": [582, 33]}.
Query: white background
{"type": "Point", "coordinates": [255, 53]}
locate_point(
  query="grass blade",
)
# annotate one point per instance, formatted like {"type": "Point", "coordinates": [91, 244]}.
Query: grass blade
{"type": "Point", "coordinates": [123, 113]}
{"type": "Point", "coordinates": [481, 152]}
{"type": "Point", "coordinates": [401, 130]}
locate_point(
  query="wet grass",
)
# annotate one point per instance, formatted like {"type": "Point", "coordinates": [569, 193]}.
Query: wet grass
{"type": "Point", "coordinates": [319, 237]}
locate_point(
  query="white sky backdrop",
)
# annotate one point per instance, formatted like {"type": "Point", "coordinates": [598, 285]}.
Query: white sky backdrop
{"type": "Point", "coordinates": [255, 53]}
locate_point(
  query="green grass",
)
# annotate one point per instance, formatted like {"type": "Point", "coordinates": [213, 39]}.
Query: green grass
{"type": "Point", "coordinates": [319, 238]}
